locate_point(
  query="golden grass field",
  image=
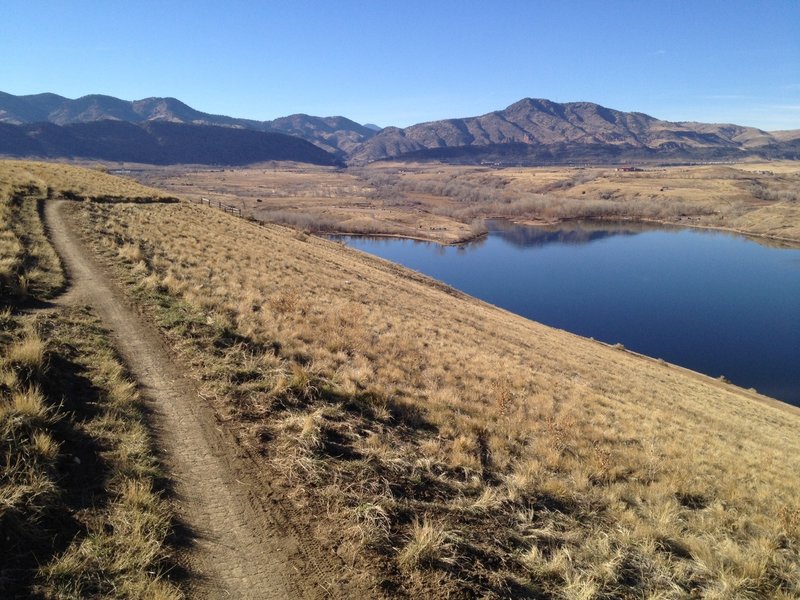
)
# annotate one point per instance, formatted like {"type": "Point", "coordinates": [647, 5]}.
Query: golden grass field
{"type": "Point", "coordinates": [446, 448]}
{"type": "Point", "coordinates": [448, 203]}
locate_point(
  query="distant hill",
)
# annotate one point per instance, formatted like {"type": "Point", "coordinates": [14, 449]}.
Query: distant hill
{"type": "Point", "coordinates": [333, 134]}
{"type": "Point", "coordinates": [338, 135]}
{"type": "Point", "coordinates": [535, 130]}
{"type": "Point", "coordinates": [157, 142]}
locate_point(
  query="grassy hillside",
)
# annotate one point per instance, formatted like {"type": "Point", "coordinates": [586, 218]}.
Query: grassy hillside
{"type": "Point", "coordinates": [445, 448]}
{"type": "Point", "coordinates": [78, 512]}
{"type": "Point", "coordinates": [29, 267]}
{"type": "Point", "coordinates": [40, 180]}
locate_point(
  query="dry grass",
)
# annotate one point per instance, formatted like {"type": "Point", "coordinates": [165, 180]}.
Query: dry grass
{"type": "Point", "coordinates": [29, 268]}
{"type": "Point", "coordinates": [319, 199]}
{"type": "Point", "coordinates": [78, 513]}
{"type": "Point", "coordinates": [448, 448]}
{"type": "Point", "coordinates": [51, 180]}
{"type": "Point", "coordinates": [26, 356]}
{"type": "Point", "coordinates": [427, 547]}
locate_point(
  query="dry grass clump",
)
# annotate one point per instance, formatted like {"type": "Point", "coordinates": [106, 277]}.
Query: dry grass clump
{"type": "Point", "coordinates": [26, 356]}
{"type": "Point", "coordinates": [27, 452]}
{"type": "Point", "coordinates": [451, 449]}
{"type": "Point", "coordinates": [427, 546]}
{"type": "Point", "coordinates": [114, 558]}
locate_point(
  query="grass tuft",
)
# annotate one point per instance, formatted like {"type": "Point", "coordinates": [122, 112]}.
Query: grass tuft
{"type": "Point", "coordinates": [427, 545]}
{"type": "Point", "coordinates": [26, 356]}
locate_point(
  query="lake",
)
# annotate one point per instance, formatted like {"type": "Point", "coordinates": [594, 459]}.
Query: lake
{"type": "Point", "coordinates": [716, 303]}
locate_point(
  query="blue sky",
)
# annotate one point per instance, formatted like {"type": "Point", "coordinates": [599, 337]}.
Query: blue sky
{"type": "Point", "coordinates": [398, 63]}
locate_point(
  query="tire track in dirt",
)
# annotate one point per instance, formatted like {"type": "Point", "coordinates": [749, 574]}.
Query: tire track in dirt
{"type": "Point", "coordinates": [242, 546]}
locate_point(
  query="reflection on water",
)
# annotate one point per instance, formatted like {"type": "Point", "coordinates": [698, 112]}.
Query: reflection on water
{"type": "Point", "coordinates": [717, 303]}
{"type": "Point", "coordinates": [578, 232]}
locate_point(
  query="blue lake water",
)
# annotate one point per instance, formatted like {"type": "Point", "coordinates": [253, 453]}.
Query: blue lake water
{"type": "Point", "coordinates": [713, 302]}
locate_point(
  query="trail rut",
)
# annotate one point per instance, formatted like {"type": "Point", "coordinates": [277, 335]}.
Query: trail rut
{"type": "Point", "coordinates": [241, 545]}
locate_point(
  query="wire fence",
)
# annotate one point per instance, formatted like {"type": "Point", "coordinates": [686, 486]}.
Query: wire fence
{"type": "Point", "coordinates": [234, 210]}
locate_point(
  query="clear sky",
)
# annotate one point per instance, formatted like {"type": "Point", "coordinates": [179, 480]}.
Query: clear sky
{"type": "Point", "coordinates": [398, 63]}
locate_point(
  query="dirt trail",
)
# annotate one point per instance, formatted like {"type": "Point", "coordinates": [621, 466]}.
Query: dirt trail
{"type": "Point", "coordinates": [242, 545]}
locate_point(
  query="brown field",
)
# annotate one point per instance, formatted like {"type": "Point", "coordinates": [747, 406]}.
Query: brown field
{"type": "Point", "coordinates": [441, 447]}
{"type": "Point", "coordinates": [448, 203]}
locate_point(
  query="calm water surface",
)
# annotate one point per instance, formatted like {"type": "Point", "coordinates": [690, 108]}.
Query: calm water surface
{"type": "Point", "coordinates": [716, 303]}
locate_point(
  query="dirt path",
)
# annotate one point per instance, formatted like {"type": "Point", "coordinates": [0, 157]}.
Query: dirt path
{"type": "Point", "coordinates": [241, 544]}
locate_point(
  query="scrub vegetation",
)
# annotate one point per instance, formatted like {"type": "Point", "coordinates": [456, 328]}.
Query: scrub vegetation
{"type": "Point", "coordinates": [448, 203]}
{"type": "Point", "coordinates": [446, 448]}
{"type": "Point", "coordinates": [80, 516]}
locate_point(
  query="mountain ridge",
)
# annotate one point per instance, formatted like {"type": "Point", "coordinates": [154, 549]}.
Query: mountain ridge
{"type": "Point", "coordinates": [332, 134]}
{"type": "Point", "coordinates": [529, 131]}
{"type": "Point", "coordinates": [566, 130]}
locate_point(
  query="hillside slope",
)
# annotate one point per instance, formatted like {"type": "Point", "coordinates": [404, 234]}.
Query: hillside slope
{"type": "Point", "coordinates": [444, 448]}
{"type": "Point", "coordinates": [156, 142]}
{"type": "Point", "coordinates": [337, 135]}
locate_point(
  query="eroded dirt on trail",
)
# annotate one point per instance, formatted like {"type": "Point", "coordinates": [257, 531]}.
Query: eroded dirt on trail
{"type": "Point", "coordinates": [241, 544]}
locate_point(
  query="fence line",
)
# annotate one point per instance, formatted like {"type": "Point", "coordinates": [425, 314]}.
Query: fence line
{"type": "Point", "coordinates": [234, 210]}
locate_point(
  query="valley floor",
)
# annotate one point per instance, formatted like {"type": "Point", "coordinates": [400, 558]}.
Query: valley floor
{"type": "Point", "coordinates": [448, 204]}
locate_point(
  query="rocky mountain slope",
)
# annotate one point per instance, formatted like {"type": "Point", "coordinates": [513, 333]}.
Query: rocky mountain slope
{"type": "Point", "coordinates": [337, 135]}
{"type": "Point", "coordinates": [56, 109]}
{"type": "Point", "coordinates": [536, 129]}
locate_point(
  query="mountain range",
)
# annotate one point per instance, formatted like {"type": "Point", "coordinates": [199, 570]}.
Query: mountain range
{"type": "Point", "coordinates": [336, 135]}
{"type": "Point", "coordinates": [531, 131]}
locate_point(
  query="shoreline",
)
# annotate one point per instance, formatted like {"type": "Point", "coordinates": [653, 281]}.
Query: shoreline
{"type": "Point", "coordinates": [714, 380]}
{"type": "Point", "coordinates": [789, 242]}
{"type": "Point", "coordinates": [749, 392]}
{"type": "Point", "coordinates": [458, 242]}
